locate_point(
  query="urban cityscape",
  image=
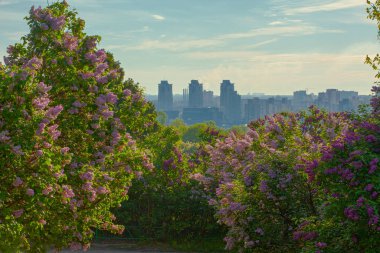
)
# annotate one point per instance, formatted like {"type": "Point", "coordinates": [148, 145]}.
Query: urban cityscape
{"type": "Point", "coordinates": [197, 105]}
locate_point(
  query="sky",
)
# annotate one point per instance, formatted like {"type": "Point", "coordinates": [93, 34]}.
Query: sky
{"type": "Point", "coordinates": [263, 46]}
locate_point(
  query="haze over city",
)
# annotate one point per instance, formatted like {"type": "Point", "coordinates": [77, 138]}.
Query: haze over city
{"type": "Point", "coordinates": [272, 47]}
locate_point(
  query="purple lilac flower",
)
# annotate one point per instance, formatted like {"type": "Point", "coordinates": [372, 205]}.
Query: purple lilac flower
{"type": "Point", "coordinates": [259, 231]}
{"type": "Point", "coordinates": [4, 136]}
{"type": "Point", "coordinates": [87, 176]}
{"type": "Point", "coordinates": [370, 138]}
{"type": "Point", "coordinates": [70, 42]}
{"type": "Point", "coordinates": [107, 114]}
{"type": "Point", "coordinates": [373, 220]}
{"type": "Point", "coordinates": [321, 245]}
{"type": "Point", "coordinates": [360, 201]}
{"type": "Point", "coordinates": [101, 55]}
{"type": "Point", "coordinates": [351, 214]}
{"type": "Point", "coordinates": [100, 68]}
{"type": "Point", "coordinates": [102, 79]}
{"type": "Point", "coordinates": [373, 166]}
{"type": "Point", "coordinates": [368, 187]}
{"type": "Point", "coordinates": [111, 98]}
{"type": "Point", "coordinates": [78, 104]}
{"type": "Point", "coordinates": [264, 186]}
{"type": "Point", "coordinates": [17, 182]}
{"type": "Point", "coordinates": [91, 42]}
{"type": "Point", "coordinates": [53, 112]}
{"type": "Point", "coordinates": [53, 132]}
{"type": "Point", "coordinates": [18, 213]}
{"type": "Point", "coordinates": [17, 150]}
{"type": "Point", "coordinates": [87, 75]}
{"type": "Point", "coordinates": [30, 192]}
{"type": "Point", "coordinates": [47, 190]}
{"type": "Point", "coordinates": [127, 92]}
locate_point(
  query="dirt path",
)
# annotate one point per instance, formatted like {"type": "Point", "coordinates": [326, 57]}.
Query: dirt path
{"type": "Point", "coordinates": [122, 247]}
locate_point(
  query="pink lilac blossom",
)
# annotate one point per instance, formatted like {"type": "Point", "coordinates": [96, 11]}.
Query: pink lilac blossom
{"type": "Point", "coordinates": [47, 190]}
{"type": "Point", "coordinates": [42, 221]}
{"type": "Point", "coordinates": [41, 103]}
{"type": "Point", "coordinates": [33, 64]}
{"type": "Point", "coordinates": [65, 150]}
{"type": "Point", "coordinates": [67, 192]}
{"type": "Point", "coordinates": [30, 192]}
{"type": "Point", "coordinates": [102, 190]}
{"type": "Point", "coordinates": [17, 150]}
{"type": "Point", "coordinates": [43, 88]}
{"type": "Point", "coordinates": [4, 136]}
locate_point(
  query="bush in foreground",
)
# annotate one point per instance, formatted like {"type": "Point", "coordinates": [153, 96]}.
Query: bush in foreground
{"type": "Point", "coordinates": [67, 122]}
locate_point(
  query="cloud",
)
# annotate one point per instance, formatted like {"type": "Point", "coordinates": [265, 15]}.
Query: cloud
{"type": "Point", "coordinates": [290, 30]}
{"type": "Point", "coordinates": [277, 23]}
{"type": "Point", "coordinates": [158, 17]}
{"type": "Point", "coordinates": [177, 45]}
{"type": "Point", "coordinates": [335, 5]}
{"type": "Point", "coordinates": [170, 45]}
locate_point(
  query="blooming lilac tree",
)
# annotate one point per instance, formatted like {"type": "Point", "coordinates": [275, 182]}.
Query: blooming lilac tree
{"type": "Point", "coordinates": [262, 184]}
{"type": "Point", "coordinates": [68, 131]}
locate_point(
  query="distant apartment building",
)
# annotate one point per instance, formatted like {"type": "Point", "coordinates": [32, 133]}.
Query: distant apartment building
{"type": "Point", "coordinates": [208, 99]}
{"type": "Point", "coordinates": [185, 97]}
{"type": "Point", "coordinates": [334, 100]}
{"type": "Point", "coordinates": [301, 100]}
{"type": "Point", "coordinates": [165, 96]}
{"type": "Point", "coordinates": [195, 94]}
{"type": "Point", "coordinates": [230, 103]}
{"type": "Point", "coordinates": [254, 109]}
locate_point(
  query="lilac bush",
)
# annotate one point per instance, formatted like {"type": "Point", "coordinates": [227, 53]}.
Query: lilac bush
{"type": "Point", "coordinates": [262, 184]}
{"type": "Point", "coordinates": [68, 124]}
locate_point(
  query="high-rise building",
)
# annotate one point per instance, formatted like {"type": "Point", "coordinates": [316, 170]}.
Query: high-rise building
{"type": "Point", "coordinates": [165, 96]}
{"type": "Point", "coordinates": [333, 98]}
{"type": "Point", "coordinates": [230, 103]}
{"type": "Point", "coordinates": [208, 99]}
{"type": "Point", "coordinates": [185, 97]}
{"type": "Point", "coordinates": [301, 100]}
{"type": "Point", "coordinates": [195, 94]}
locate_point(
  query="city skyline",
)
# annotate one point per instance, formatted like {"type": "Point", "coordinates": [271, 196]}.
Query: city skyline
{"type": "Point", "coordinates": [273, 46]}
{"type": "Point", "coordinates": [230, 108]}
{"type": "Point", "coordinates": [217, 91]}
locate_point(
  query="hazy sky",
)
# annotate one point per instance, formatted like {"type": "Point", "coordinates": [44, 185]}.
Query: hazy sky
{"type": "Point", "coordinates": [271, 46]}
